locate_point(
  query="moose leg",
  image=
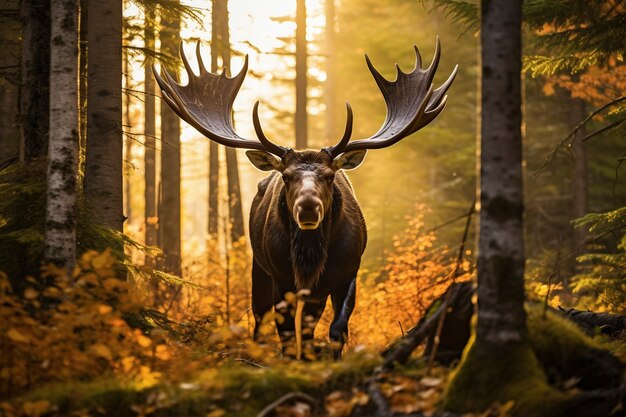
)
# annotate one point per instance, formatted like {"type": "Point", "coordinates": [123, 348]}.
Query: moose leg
{"type": "Point", "coordinates": [312, 312]}
{"type": "Point", "coordinates": [262, 295]}
{"type": "Point", "coordinates": [343, 299]}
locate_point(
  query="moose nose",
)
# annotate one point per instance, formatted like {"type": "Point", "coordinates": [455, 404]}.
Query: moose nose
{"type": "Point", "coordinates": [309, 213]}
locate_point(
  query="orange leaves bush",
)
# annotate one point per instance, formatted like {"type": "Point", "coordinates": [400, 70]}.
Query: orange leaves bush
{"type": "Point", "coordinates": [68, 327]}
{"type": "Point", "coordinates": [417, 271]}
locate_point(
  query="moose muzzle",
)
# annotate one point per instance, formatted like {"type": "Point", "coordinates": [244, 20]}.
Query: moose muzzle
{"type": "Point", "coordinates": [308, 213]}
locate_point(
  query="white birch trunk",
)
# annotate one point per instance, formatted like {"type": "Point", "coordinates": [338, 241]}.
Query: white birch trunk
{"type": "Point", "coordinates": [60, 239]}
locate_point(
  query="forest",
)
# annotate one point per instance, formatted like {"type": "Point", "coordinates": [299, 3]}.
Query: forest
{"type": "Point", "coordinates": [302, 208]}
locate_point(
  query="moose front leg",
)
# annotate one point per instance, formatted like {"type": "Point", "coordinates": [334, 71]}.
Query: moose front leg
{"type": "Point", "coordinates": [262, 296]}
{"type": "Point", "coordinates": [343, 300]}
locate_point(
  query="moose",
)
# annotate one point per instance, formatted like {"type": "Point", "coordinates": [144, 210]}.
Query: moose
{"type": "Point", "coordinates": [307, 230]}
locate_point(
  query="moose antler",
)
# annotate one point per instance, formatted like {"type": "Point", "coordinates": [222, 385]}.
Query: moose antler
{"type": "Point", "coordinates": [206, 103]}
{"type": "Point", "coordinates": [411, 104]}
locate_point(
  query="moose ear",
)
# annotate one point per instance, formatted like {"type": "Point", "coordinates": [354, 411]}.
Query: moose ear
{"type": "Point", "coordinates": [349, 160]}
{"type": "Point", "coordinates": [264, 161]}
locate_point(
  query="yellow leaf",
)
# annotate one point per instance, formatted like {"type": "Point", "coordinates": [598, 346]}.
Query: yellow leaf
{"type": "Point", "coordinates": [216, 413]}
{"type": "Point", "coordinates": [102, 351]}
{"type": "Point", "coordinates": [254, 350]}
{"type": "Point", "coordinates": [16, 336]}
{"type": "Point", "coordinates": [30, 293]}
{"type": "Point", "coordinates": [104, 309]}
{"type": "Point", "coordinates": [143, 340]}
{"type": "Point", "coordinates": [103, 260]}
{"type": "Point", "coordinates": [548, 89]}
{"type": "Point", "coordinates": [35, 408]}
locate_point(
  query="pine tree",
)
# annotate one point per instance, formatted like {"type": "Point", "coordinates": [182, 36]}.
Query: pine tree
{"type": "Point", "coordinates": [301, 76]}
{"type": "Point", "coordinates": [169, 208]}
{"type": "Point", "coordinates": [103, 165]}
{"type": "Point", "coordinates": [35, 99]}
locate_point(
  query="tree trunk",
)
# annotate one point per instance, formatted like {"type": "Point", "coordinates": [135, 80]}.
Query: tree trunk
{"type": "Point", "coordinates": [213, 190]}
{"type": "Point", "coordinates": [60, 242]}
{"type": "Point", "coordinates": [501, 316]}
{"type": "Point", "coordinates": [500, 359]}
{"type": "Point", "coordinates": [35, 94]}
{"type": "Point", "coordinates": [169, 214]}
{"type": "Point", "coordinates": [150, 214]}
{"type": "Point", "coordinates": [301, 76]}
{"type": "Point", "coordinates": [579, 181]}
{"type": "Point", "coordinates": [128, 142]}
{"type": "Point", "coordinates": [234, 196]}
{"type": "Point", "coordinates": [9, 60]}
{"type": "Point", "coordinates": [214, 170]}
{"type": "Point", "coordinates": [82, 80]}
{"type": "Point", "coordinates": [235, 210]}
{"type": "Point", "coordinates": [329, 89]}
{"type": "Point", "coordinates": [103, 165]}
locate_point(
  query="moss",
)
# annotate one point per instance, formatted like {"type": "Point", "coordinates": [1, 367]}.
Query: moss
{"type": "Point", "coordinates": [239, 390]}
{"type": "Point", "coordinates": [514, 374]}
{"type": "Point", "coordinates": [519, 373]}
{"type": "Point", "coordinates": [556, 338]}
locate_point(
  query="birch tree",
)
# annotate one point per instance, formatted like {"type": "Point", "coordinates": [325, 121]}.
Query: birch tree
{"type": "Point", "coordinates": [60, 238]}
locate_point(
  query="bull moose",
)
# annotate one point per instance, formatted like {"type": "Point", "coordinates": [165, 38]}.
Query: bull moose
{"type": "Point", "coordinates": [306, 228]}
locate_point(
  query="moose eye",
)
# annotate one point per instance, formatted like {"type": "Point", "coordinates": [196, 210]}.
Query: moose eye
{"type": "Point", "coordinates": [285, 178]}
{"type": "Point", "coordinates": [331, 178]}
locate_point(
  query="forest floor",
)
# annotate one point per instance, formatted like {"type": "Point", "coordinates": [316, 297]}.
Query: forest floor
{"type": "Point", "coordinates": [86, 346]}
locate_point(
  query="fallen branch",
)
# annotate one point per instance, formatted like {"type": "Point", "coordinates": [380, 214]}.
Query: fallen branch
{"type": "Point", "coordinates": [610, 324]}
{"type": "Point", "coordinates": [292, 396]}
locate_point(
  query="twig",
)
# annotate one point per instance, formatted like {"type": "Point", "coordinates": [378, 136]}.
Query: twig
{"type": "Point", "coordinates": [243, 314]}
{"type": "Point", "coordinates": [572, 133]}
{"type": "Point", "coordinates": [169, 307]}
{"type": "Point", "coordinates": [249, 362]}
{"type": "Point", "coordinates": [446, 303]}
{"type": "Point", "coordinates": [603, 129]}
{"type": "Point", "coordinates": [377, 397]}
{"type": "Point", "coordinates": [287, 397]}
{"type": "Point", "coordinates": [555, 272]}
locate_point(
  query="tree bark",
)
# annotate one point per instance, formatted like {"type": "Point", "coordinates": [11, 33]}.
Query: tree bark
{"type": "Point", "coordinates": [214, 170]}
{"type": "Point", "coordinates": [60, 239]}
{"type": "Point", "coordinates": [103, 165]}
{"type": "Point", "coordinates": [82, 80]}
{"type": "Point", "coordinates": [35, 93]}
{"type": "Point", "coordinates": [234, 196]}
{"type": "Point", "coordinates": [329, 88]}
{"type": "Point", "coordinates": [501, 315]}
{"type": "Point", "coordinates": [579, 181]}
{"type": "Point", "coordinates": [150, 214]}
{"type": "Point", "coordinates": [235, 210]}
{"type": "Point", "coordinates": [9, 82]}
{"type": "Point", "coordinates": [301, 76]}
{"type": "Point", "coordinates": [128, 142]}
{"type": "Point", "coordinates": [170, 163]}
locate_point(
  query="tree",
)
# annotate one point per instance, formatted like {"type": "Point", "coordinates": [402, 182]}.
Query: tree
{"type": "Point", "coordinates": [169, 209]}
{"type": "Point", "coordinates": [329, 88]}
{"type": "Point", "coordinates": [501, 316]}
{"type": "Point", "coordinates": [64, 128]}
{"type": "Point", "coordinates": [301, 76]}
{"type": "Point", "coordinates": [35, 100]}
{"type": "Point", "coordinates": [150, 214]}
{"type": "Point", "coordinates": [9, 81]}
{"type": "Point", "coordinates": [103, 165]}
{"type": "Point", "coordinates": [214, 168]}
{"type": "Point", "coordinates": [501, 339]}
{"type": "Point", "coordinates": [220, 48]}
